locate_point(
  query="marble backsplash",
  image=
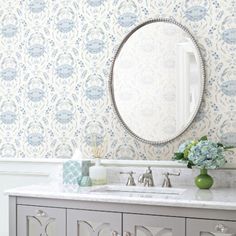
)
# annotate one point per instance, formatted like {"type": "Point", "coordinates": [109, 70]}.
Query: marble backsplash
{"type": "Point", "coordinates": [222, 178]}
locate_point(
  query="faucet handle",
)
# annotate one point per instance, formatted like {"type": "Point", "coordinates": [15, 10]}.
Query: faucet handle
{"type": "Point", "coordinates": [130, 181]}
{"type": "Point", "coordinates": [127, 172]}
{"type": "Point", "coordinates": [173, 174]}
{"type": "Point", "coordinates": [167, 182]}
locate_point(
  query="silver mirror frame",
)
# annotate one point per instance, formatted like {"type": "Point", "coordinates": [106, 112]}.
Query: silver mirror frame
{"type": "Point", "coordinates": [111, 79]}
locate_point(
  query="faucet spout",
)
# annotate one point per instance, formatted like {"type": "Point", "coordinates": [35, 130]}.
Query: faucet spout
{"type": "Point", "coordinates": [141, 179]}
{"type": "Point", "coordinates": [147, 178]}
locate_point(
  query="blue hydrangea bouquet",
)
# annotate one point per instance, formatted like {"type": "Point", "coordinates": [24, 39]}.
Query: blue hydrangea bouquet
{"type": "Point", "coordinates": [203, 154]}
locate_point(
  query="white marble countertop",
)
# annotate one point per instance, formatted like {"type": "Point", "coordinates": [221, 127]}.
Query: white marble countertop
{"type": "Point", "coordinates": [221, 198]}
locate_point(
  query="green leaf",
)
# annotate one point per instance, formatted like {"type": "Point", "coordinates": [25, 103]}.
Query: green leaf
{"type": "Point", "coordinates": [178, 156]}
{"type": "Point", "coordinates": [228, 147]}
{"type": "Point", "coordinates": [203, 138]}
{"type": "Point", "coordinates": [190, 164]}
{"type": "Point", "coordinates": [220, 145]}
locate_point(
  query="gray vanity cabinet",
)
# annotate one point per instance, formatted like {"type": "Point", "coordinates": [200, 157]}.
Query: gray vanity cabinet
{"type": "Point", "coordinates": [31, 216]}
{"type": "Point", "coordinates": [146, 225]}
{"type": "Point", "coordinates": [40, 221]}
{"type": "Point", "coordinates": [93, 223]}
{"type": "Point", "coordinates": [198, 227]}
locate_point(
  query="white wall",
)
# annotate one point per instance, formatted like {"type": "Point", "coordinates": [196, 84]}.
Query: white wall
{"type": "Point", "coordinates": [20, 173]}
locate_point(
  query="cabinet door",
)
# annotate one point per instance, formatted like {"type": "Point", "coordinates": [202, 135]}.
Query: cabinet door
{"type": "Point", "coordinates": [146, 225]}
{"type": "Point", "coordinates": [197, 227]}
{"type": "Point", "coordinates": [93, 223]}
{"type": "Point", "coordinates": [40, 221]}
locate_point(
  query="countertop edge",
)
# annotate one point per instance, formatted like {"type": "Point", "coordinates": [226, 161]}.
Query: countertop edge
{"type": "Point", "coordinates": [181, 203]}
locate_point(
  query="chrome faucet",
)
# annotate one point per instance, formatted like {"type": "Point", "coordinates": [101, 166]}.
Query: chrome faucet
{"type": "Point", "coordinates": [166, 182]}
{"type": "Point", "coordinates": [147, 178]}
{"type": "Point", "coordinates": [130, 181]}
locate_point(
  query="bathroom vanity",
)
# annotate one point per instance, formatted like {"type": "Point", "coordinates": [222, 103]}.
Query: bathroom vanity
{"type": "Point", "coordinates": [115, 210]}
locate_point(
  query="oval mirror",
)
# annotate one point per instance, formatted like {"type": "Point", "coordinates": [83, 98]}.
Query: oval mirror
{"type": "Point", "coordinates": [157, 81]}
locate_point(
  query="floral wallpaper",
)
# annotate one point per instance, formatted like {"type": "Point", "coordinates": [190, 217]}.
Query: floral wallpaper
{"type": "Point", "coordinates": [55, 59]}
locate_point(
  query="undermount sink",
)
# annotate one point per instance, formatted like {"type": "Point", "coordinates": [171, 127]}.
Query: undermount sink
{"type": "Point", "coordinates": [136, 190]}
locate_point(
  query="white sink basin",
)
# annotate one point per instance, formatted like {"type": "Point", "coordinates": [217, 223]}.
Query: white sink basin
{"type": "Point", "coordinates": [136, 190]}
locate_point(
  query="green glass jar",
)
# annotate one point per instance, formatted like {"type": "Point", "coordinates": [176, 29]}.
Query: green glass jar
{"type": "Point", "coordinates": [204, 181]}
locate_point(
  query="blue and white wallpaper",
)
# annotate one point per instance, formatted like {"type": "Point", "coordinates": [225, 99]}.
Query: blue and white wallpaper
{"type": "Point", "coordinates": [55, 59]}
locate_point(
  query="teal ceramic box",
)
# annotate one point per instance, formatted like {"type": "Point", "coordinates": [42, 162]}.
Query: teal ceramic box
{"type": "Point", "coordinates": [71, 172]}
{"type": "Point", "coordinates": [75, 170]}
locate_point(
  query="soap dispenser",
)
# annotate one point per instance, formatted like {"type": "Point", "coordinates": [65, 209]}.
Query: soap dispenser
{"type": "Point", "coordinates": [98, 173]}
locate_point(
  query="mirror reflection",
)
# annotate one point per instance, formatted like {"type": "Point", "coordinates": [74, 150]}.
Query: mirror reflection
{"type": "Point", "coordinates": [157, 81]}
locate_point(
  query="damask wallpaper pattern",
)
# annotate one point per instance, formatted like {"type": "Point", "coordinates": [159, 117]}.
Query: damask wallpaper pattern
{"type": "Point", "coordinates": [55, 60]}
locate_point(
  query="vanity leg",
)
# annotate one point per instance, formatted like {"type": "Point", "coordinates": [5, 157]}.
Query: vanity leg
{"type": "Point", "coordinates": [12, 216]}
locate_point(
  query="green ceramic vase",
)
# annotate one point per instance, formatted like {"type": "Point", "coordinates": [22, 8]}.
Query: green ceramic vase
{"type": "Point", "coordinates": [204, 181]}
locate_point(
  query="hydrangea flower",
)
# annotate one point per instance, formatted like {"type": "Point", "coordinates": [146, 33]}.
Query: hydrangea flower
{"type": "Point", "coordinates": [202, 153]}
{"type": "Point", "coordinates": [184, 145]}
{"type": "Point", "coordinates": [207, 154]}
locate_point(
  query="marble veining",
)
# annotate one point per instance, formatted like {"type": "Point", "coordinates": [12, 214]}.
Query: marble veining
{"type": "Point", "coordinates": [223, 178]}
{"type": "Point", "coordinates": [221, 198]}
